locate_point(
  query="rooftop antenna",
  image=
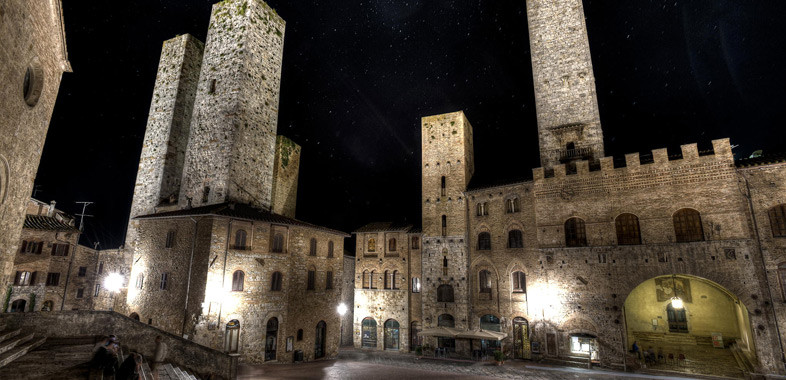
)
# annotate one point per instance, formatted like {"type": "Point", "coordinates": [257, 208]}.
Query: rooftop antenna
{"type": "Point", "coordinates": [36, 190]}
{"type": "Point", "coordinates": [83, 215]}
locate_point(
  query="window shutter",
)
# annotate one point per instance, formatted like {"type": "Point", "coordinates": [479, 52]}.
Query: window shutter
{"type": "Point", "coordinates": [24, 245]}
{"type": "Point", "coordinates": [40, 246]}
{"type": "Point", "coordinates": [32, 278]}
{"type": "Point", "coordinates": [65, 252]}
{"type": "Point", "coordinates": [54, 249]}
{"type": "Point", "coordinates": [16, 278]}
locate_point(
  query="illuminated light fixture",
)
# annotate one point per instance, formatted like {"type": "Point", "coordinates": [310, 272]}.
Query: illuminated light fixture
{"type": "Point", "coordinates": [113, 282]}
{"type": "Point", "coordinates": [676, 301]}
{"type": "Point", "coordinates": [342, 309]}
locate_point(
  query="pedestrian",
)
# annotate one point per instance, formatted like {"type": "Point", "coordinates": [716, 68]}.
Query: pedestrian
{"type": "Point", "coordinates": [635, 350]}
{"type": "Point", "coordinates": [110, 361]}
{"type": "Point", "coordinates": [158, 357]}
{"type": "Point", "coordinates": [129, 370]}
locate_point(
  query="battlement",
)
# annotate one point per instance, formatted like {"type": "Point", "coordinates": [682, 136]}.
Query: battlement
{"type": "Point", "coordinates": [659, 159]}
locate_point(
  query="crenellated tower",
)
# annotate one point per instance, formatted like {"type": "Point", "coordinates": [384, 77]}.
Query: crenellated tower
{"type": "Point", "coordinates": [565, 96]}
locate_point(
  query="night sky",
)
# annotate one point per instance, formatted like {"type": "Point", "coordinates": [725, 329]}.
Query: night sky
{"type": "Point", "coordinates": [358, 75]}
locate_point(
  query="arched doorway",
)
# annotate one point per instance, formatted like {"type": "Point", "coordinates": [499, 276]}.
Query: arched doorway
{"type": "Point", "coordinates": [415, 340]}
{"type": "Point", "coordinates": [18, 306]}
{"type": "Point", "coordinates": [446, 320]}
{"type": "Point", "coordinates": [521, 343]}
{"type": "Point", "coordinates": [369, 331]}
{"type": "Point", "coordinates": [683, 316]}
{"type": "Point", "coordinates": [490, 322]}
{"type": "Point", "coordinates": [232, 334]}
{"type": "Point", "coordinates": [319, 340]}
{"type": "Point", "coordinates": [271, 339]}
{"type": "Point", "coordinates": [391, 334]}
{"type": "Point", "coordinates": [134, 316]}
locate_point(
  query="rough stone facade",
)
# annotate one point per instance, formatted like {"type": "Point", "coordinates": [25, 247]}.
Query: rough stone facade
{"type": "Point", "coordinates": [285, 175]}
{"type": "Point", "coordinates": [565, 97]}
{"type": "Point", "coordinates": [33, 52]}
{"type": "Point", "coordinates": [348, 299]}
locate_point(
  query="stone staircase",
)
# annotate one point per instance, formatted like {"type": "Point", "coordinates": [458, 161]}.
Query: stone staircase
{"type": "Point", "coordinates": [16, 343]}
{"type": "Point", "coordinates": [167, 372]}
{"type": "Point", "coordinates": [57, 358]}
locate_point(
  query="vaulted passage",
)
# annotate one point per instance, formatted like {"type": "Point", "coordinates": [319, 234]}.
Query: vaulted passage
{"type": "Point", "coordinates": [688, 324]}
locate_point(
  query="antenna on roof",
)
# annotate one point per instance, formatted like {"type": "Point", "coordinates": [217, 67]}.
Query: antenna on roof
{"type": "Point", "coordinates": [83, 215]}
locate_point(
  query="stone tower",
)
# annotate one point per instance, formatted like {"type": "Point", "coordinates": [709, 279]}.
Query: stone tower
{"type": "Point", "coordinates": [230, 155]}
{"type": "Point", "coordinates": [565, 96]}
{"type": "Point", "coordinates": [285, 176]}
{"type": "Point", "coordinates": [448, 166]}
{"type": "Point", "coordinates": [166, 135]}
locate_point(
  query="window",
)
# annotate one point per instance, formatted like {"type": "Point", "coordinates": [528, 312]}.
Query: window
{"type": "Point", "coordinates": [519, 282]}
{"type": "Point", "coordinates": [778, 220]}
{"type": "Point", "coordinates": [164, 278]}
{"type": "Point", "coordinates": [444, 225]}
{"type": "Point", "coordinates": [368, 330]}
{"type": "Point", "coordinates": [584, 344]}
{"type": "Point", "coordinates": [445, 293]}
{"type": "Point", "coordinates": [329, 280]}
{"type": "Point", "coordinates": [443, 184]}
{"type": "Point", "coordinates": [80, 293]}
{"type": "Point", "coordinates": [101, 267]}
{"type": "Point", "coordinates": [628, 232]}
{"type": "Point", "coordinates": [330, 248]}
{"type": "Point", "coordinates": [48, 306]}
{"type": "Point", "coordinates": [205, 194]}
{"type": "Point", "coordinates": [392, 245]}
{"type": "Point", "coordinates": [170, 239]}
{"type": "Point", "coordinates": [371, 281]}
{"type": "Point", "coordinates": [33, 277]}
{"type": "Point", "coordinates": [372, 245]}
{"type": "Point", "coordinates": [312, 279]}
{"type": "Point", "coordinates": [415, 242]}
{"type": "Point", "coordinates": [512, 205]}
{"type": "Point", "coordinates": [82, 272]}
{"type": "Point", "coordinates": [275, 282]}
{"type": "Point", "coordinates": [60, 249]}
{"type": "Point", "coordinates": [240, 239]}
{"type": "Point", "coordinates": [782, 276]}
{"type": "Point", "coordinates": [300, 334]}
{"type": "Point", "coordinates": [31, 247]}
{"type": "Point", "coordinates": [278, 243]}
{"type": "Point", "coordinates": [482, 209]}
{"type": "Point", "coordinates": [52, 279]}
{"type": "Point", "coordinates": [484, 241]}
{"type": "Point", "coordinates": [237, 281]}
{"type": "Point", "coordinates": [394, 279]}
{"type": "Point", "coordinates": [446, 320]}
{"type": "Point", "coordinates": [22, 278]}
{"type": "Point", "coordinates": [18, 306]}
{"type": "Point", "coordinates": [366, 283]}
{"type": "Point", "coordinates": [415, 285]}
{"type": "Point", "coordinates": [312, 247]}
{"type": "Point", "coordinates": [575, 233]}
{"type": "Point", "coordinates": [445, 265]}
{"type": "Point", "coordinates": [212, 89]}
{"type": "Point", "coordinates": [515, 239]}
{"type": "Point", "coordinates": [33, 84]}
{"type": "Point", "coordinates": [97, 289]}
{"type": "Point", "coordinates": [484, 281]}
{"type": "Point", "coordinates": [387, 280]}
{"type": "Point", "coordinates": [687, 226]}
{"type": "Point", "coordinates": [140, 280]}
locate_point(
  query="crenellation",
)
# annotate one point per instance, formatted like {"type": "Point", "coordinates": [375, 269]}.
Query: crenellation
{"type": "Point", "coordinates": [690, 152]}
{"type": "Point", "coordinates": [632, 161]}
{"type": "Point", "coordinates": [660, 156]}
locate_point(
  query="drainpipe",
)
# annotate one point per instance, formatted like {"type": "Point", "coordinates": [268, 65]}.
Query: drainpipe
{"type": "Point", "coordinates": [749, 196]}
{"type": "Point", "coordinates": [188, 281]}
{"type": "Point", "coordinates": [224, 270]}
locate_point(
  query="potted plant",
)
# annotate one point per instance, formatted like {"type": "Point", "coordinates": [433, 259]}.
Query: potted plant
{"type": "Point", "coordinates": [419, 351]}
{"type": "Point", "coordinates": [499, 357]}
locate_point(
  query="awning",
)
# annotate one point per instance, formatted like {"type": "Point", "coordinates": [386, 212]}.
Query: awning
{"type": "Point", "coordinates": [442, 332]}
{"type": "Point", "coordinates": [482, 334]}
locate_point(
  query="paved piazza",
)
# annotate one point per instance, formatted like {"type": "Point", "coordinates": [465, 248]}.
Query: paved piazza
{"type": "Point", "coordinates": [377, 366]}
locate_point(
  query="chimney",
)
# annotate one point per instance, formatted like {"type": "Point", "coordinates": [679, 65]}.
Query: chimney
{"type": "Point", "coordinates": [51, 208]}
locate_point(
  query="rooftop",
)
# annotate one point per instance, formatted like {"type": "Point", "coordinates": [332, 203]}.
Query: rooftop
{"type": "Point", "coordinates": [388, 227]}
{"type": "Point", "coordinates": [49, 223]}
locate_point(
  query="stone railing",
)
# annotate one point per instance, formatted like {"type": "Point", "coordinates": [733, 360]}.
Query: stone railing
{"type": "Point", "coordinates": [577, 153]}
{"type": "Point", "coordinates": [202, 361]}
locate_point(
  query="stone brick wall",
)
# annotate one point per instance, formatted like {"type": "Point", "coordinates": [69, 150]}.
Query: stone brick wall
{"type": "Point", "coordinates": [31, 38]}
{"type": "Point", "coordinates": [135, 336]}
{"type": "Point", "coordinates": [565, 96]}
{"type": "Point", "coordinates": [237, 105]}
{"type": "Point", "coordinates": [111, 261]}
{"type": "Point", "coordinates": [348, 299]}
{"type": "Point", "coordinates": [285, 176]}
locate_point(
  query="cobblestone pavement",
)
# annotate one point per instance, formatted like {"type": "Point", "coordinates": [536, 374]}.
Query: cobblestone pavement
{"type": "Point", "coordinates": [353, 364]}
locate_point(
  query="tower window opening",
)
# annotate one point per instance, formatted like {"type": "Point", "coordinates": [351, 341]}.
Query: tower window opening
{"type": "Point", "coordinates": [444, 190]}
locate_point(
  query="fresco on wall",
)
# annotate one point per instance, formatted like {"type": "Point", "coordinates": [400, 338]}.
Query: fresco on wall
{"type": "Point", "coordinates": [665, 289]}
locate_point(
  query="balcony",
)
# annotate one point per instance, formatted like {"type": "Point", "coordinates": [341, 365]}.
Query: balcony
{"type": "Point", "coordinates": [566, 155]}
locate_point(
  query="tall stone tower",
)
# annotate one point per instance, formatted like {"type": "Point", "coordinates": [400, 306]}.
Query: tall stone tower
{"type": "Point", "coordinates": [565, 96]}
{"type": "Point", "coordinates": [448, 166]}
{"type": "Point", "coordinates": [230, 155]}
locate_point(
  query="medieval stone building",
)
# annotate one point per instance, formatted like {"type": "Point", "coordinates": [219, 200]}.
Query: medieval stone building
{"type": "Point", "coordinates": [681, 252]}
{"type": "Point", "coordinates": [34, 56]}
{"type": "Point", "coordinates": [217, 254]}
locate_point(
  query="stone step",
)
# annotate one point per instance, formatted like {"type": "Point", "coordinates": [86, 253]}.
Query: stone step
{"type": "Point", "coordinates": [16, 340]}
{"type": "Point", "coordinates": [20, 351]}
{"type": "Point", "coordinates": [7, 334]}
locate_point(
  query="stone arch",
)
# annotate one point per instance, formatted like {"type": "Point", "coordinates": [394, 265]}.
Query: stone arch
{"type": "Point", "coordinates": [478, 265]}
{"type": "Point", "coordinates": [579, 325]}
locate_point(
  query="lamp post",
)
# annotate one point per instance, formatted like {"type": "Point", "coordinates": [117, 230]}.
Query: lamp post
{"type": "Point", "coordinates": [112, 283]}
{"type": "Point", "coordinates": [676, 301]}
{"type": "Point", "coordinates": [342, 310]}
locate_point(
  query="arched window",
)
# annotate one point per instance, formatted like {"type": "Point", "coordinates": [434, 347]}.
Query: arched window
{"type": "Point", "coordinates": [446, 320]}
{"type": "Point", "coordinates": [484, 241]}
{"type": "Point", "coordinates": [49, 305]}
{"type": "Point", "coordinates": [687, 226]}
{"type": "Point", "coordinates": [444, 225]}
{"type": "Point", "coordinates": [484, 281]}
{"type": "Point", "coordinates": [575, 233]}
{"type": "Point", "coordinates": [372, 245]}
{"type": "Point", "coordinates": [778, 220]}
{"type": "Point", "coordinates": [18, 306]}
{"type": "Point", "coordinates": [371, 281]}
{"type": "Point", "coordinates": [271, 339]}
{"type": "Point", "coordinates": [515, 239]}
{"type": "Point", "coordinates": [275, 282]}
{"type": "Point", "coordinates": [133, 316]}
{"type": "Point", "coordinates": [519, 282]}
{"type": "Point", "coordinates": [387, 280]}
{"type": "Point", "coordinates": [22, 278]}
{"type": "Point", "coordinates": [366, 282]}
{"type": "Point", "coordinates": [394, 279]}
{"type": "Point", "coordinates": [490, 322]}
{"type": "Point", "coordinates": [445, 293]}
{"type": "Point", "coordinates": [237, 281]}
{"type": "Point", "coordinates": [482, 209]}
{"type": "Point", "coordinates": [240, 239]}
{"type": "Point", "coordinates": [443, 184]}
{"type": "Point", "coordinates": [278, 243]}
{"type": "Point", "coordinates": [415, 242]}
{"type": "Point", "coordinates": [415, 285]}
{"type": "Point", "coordinates": [628, 232]}
{"type": "Point", "coordinates": [392, 245]}
{"type": "Point", "coordinates": [312, 247]}
{"type": "Point", "coordinates": [330, 248]}
{"type": "Point", "coordinates": [512, 205]}
{"type": "Point", "coordinates": [311, 280]}
{"type": "Point", "coordinates": [391, 334]}
{"type": "Point", "coordinates": [368, 336]}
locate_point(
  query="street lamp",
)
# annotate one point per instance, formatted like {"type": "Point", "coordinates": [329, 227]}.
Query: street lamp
{"type": "Point", "coordinates": [112, 283]}
{"type": "Point", "coordinates": [676, 301]}
{"type": "Point", "coordinates": [341, 309]}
